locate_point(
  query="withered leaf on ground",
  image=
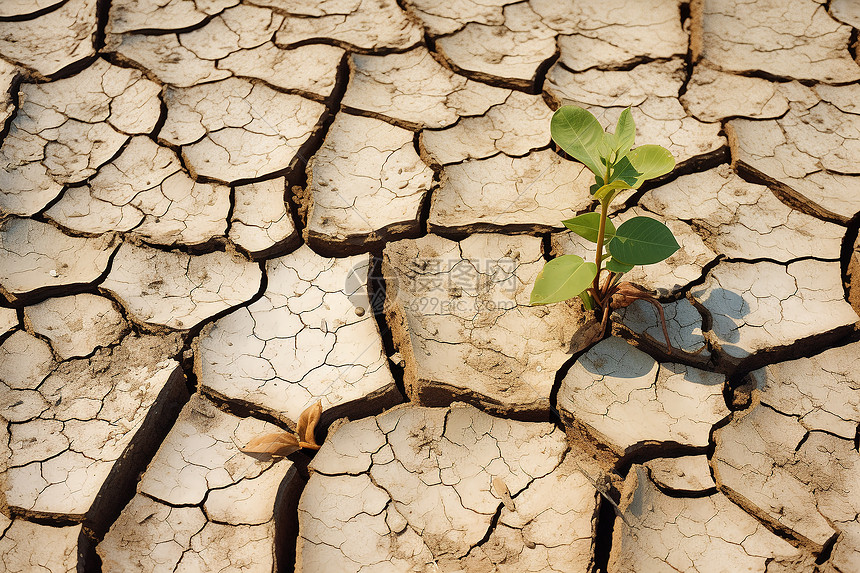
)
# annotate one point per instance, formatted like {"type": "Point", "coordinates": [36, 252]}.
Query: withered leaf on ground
{"type": "Point", "coordinates": [502, 492]}
{"type": "Point", "coordinates": [307, 424]}
{"type": "Point", "coordinates": [280, 444]}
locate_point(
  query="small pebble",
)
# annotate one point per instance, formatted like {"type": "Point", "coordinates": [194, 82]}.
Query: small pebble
{"type": "Point", "coordinates": [359, 311]}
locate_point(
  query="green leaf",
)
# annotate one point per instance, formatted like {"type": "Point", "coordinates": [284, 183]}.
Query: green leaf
{"type": "Point", "coordinates": [597, 185]}
{"type": "Point", "coordinates": [617, 266]}
{"type": "Point", "coordinates": [562, 278]}
{"type": "Point", "coordinates": [606, 148]}
{"type": "Point", "coordinates": [587, 226]}
{"type": "Point", "coordinates": [579, 134]}
{"type": "Point", "coordinates": [587, 301]}
{"type": "Point", "coordinates": [643, 241]}
{"type": "Point", "coordinates": [625, 132]}
{"type": "Point", "coordinates": [623, 176]}
{"type": "Point", "coordinates": [607, 192]}
{"type": "Point", "coordinates": [623, 170]}
{"type": "Point", "coordinates": [650, 161]}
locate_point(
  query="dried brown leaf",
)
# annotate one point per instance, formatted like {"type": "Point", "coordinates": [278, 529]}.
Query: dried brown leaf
{"type": "Point", "coordinates": [502, 492]}
{"type": "Point", "coordinates": [586, 335]}
{"type": "Point", "coordinates": [280, 444]}
{"type": "Point", "coordinates": [307, 423]}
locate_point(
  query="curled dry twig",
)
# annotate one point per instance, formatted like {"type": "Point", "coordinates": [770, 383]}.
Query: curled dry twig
{"type": "Point", "coordinates": [624, 294]}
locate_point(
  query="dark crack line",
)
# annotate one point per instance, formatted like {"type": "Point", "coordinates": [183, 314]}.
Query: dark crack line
{"type": "Point", "coordinates": [494, 521]}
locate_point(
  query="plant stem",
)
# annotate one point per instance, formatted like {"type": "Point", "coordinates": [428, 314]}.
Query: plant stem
{"type": "Point", "coordinates": [604, 210]}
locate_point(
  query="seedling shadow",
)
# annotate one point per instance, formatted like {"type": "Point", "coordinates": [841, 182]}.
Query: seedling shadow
{"type": "Point", "coordinates": [727, 311]}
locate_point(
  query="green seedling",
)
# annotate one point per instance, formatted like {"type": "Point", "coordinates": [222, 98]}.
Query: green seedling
{"type": "Point", "coordinates": [637, 241]}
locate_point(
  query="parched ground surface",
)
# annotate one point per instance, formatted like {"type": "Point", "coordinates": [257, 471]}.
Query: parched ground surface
{"type": "Point", "coordinates": [215, 214]}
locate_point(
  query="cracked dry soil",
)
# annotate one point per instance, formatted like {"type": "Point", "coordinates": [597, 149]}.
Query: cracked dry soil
{"type": "Point", "coordinates": [215, 213]}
